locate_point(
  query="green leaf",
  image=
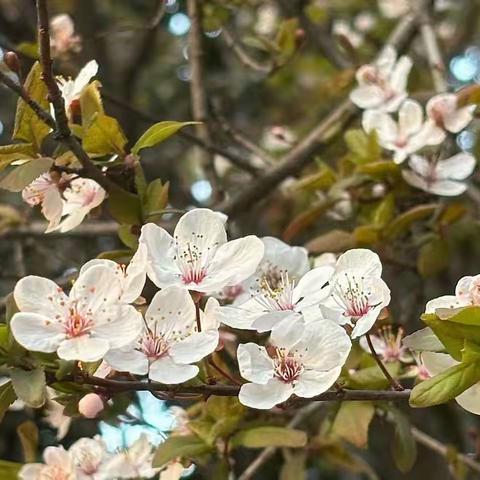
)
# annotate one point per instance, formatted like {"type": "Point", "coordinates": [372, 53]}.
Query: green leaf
{"type": "Point", "coordinates": [104, 136]}
{"type": "Point", "coordinates": [404, 446]}
{"type": "Point", "coordinates": [28, 127]}
{"type": "Point", "coordinates": [363, 147]}
{"type": "Point", "coordinates": [445, 386]}
{"type": "Point", "coordinates": [380, 168]}
{"type": "Point", "coordinates": [28, 434]}
{"type": "Point", "coordinates": [185, 446]}
{"type": "Point", "coordinates": [125, 207]}
{"type": "Point", "coordinates": [260, 437]}
{"type": "Point", "coordinates": [9, 470]}
{"type": "Point", "coordinates": [433, 258]}
{"type": "Point", "coordinates": [91, 103]}
{"type": "Point", "coordinates": [372, 377]}
{"type": "Point", "coordinates": [16, 151]}
{"type": "Point", "coordinates": [22, 175]}
{"type": "Point", "coordinates": [29, 385]}
{"type": "Point", "coordinates": [384, 212]}
{"type": "Point", "coordinates": [352, 421]}
{"type": "Point", "coordinates": [7, 397]}
{"type": "Point", "coordinates": [402, 223]}
{"type": "Point", "coordinates": [159, 133]}
{"type": "Point", "coordinates": [286, 39]}
{"type": "Point", "coordinates": [156, 198]}
{"type": "Point", "coordinates": [464, 316]}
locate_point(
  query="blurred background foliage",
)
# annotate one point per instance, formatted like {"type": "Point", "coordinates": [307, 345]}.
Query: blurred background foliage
{"type": "Point", "coordinates": [305, 53]}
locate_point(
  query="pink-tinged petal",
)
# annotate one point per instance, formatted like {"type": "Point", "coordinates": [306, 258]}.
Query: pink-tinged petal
{"type": "Point", "coordinates": [315, 382]}
{"type": "Point", "coordinates": [52, 206]}
{"type": "Point", "coordinates": [365, 323]}
{"type": "Point", "coordinates": [195, 347]}
{"type": "Point", "coordinates": [119, 325]}
{"type": "Point", "coordinates": [470, 399]}
{"type": "Point", "coordinates": [458, 167]}
{"type": "Point", "coordinates": [325, 345]}
{"type": "Point", "coordinates": [128, 360]}
{"type": "Point", "coordinates": [399, 77]}
{"type": "Point", "coordinates": [266, 396]}
{"type": "Point", "coordinates": [31, 471]}
{"type": "Point", "coordinates": [269, 320]}
{"type": "Point", "coordinates": [96, 288]}
{"type": "Point", "coordinates": [57, 456]}
{"type": "Point", "coordinates": [172, 311]}
{"type": "Point", "coordinates": [202, 229]}
{"type": "Point", "coordinates": [410, 117]}
{"type": "Point", "coordinates": [368, 96]}
{"type": "Point", "coordinates": [361, 260]}
{"type": "Point", "coordinates": [84, 348]}
{"type": "Point", "coordinates": [459, 119]}
{"type": "Point", "coordinates": [394, 102]}
{"type": "Point", "coordinates": [165, 370]}
{"type": "Point", "coordinates": [40, 295]}
{"type": "Point", "coordinates": [254, 363]}
{"type": "Point", "coordinates": [233, 262]}
{"type": "Point", "coordinates": [160, 264]}
{"type": "Point", "coordinates": [37, 332]}
{"type": "Point", "coordinates": [72, 220]}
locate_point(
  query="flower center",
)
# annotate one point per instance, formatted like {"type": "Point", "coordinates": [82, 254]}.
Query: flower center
{"type": "Point", "coordinates": [353, 297]}
{"type": "Point", "coordinates": [77, 324]}
{"type": "Point", "coordinates": [54, 472]}
{"type": "Point", "coordinates": [153, 346]}
{"type": "Point", "coordinates": [277, 296]}
{"type": "Point", "coordinates": [192, 262]}
{"type": "Point", "coordinates": [393, 344]}
{"type": "Point", "coordinates": [287, 368]}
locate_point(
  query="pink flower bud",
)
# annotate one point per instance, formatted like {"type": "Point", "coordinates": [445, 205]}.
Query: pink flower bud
{"type": "Point", "coordinates": [90, 405]}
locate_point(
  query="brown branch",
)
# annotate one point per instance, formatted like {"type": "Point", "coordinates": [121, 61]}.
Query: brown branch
{"type": "Point", "coordinates": [63, 133]}
{"type": "Point", "coordinates": [37, 229]}
{"type": "Point", "coordinates": [431, 443]}
{"type": "Point", "coordinates": [394, 383]}
{"type": "Point", "coordinates": [301, 154]}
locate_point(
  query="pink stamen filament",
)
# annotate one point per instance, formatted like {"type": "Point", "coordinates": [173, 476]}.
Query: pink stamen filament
{"type": "Point", "coordinates": [287, 367]}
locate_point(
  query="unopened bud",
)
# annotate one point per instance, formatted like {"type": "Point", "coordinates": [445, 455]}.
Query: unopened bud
{"type": "Point", "coordinates": [75, 111]}
{"type": "Point", "coordinates": [299, 36]}
{"type": "Point", "coordinates": [12, 62]}
{"type": "Point", "coordinates": [130, 160]}
{"type": "Point", "coordinates": [90, 405]}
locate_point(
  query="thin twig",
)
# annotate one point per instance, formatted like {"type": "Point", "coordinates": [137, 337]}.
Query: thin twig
{"type": "Point", "coordinates": [267, 453]}
{"type": "Point", "coordinates": [394, 383]}
{"type": "Point", "coordinates": [37, 229]}
{"type": "Point", "coordinates": [431, 443]}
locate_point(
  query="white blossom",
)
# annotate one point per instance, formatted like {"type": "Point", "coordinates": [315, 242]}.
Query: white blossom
{"type": "Point", "coordinates": [62, 34]}
{"type": "Point", "coordinates": [388, 345]}
{"type": "Point", "coordinates": [278, 138]}
{"type": "Point", "coordinates": [394, 8]}
{"type": "Point", "coordinates": [58, 465]}
{"type": "Point", "coordinates": [443, 109]}
{"type": "Point", "coordinates": [82, 326]}
{"type": "Point", "coordinates": [382, 85]}
{"type": "Point", "coordinates": [198, 255]}
{"type": "Point", "coordinates": [436, 363]}
{"type": "Point", "coordinates": [305, 366]}
{"type": "Point", "coordinates": [72, 89]}
{"type": "Point", "coordinates": [441, 177]}
{"type": "Point", "coordinates": [90, 459]}
{"type": "Point", "coordinates": [273, 301]}
{"type": "Point", "coordinates": [358, 294]}
{"type": "Point", "coordinates": [408, 135]}
{"type": "Point", "coordinates": [170, 342]}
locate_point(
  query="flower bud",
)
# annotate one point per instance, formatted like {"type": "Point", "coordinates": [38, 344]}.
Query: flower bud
{"type": "Point", "coordinates": [12, 62]}
{"type": "Point", "coordinates": [90, 405]}
{"type": "Point", "coordinates": [130, 160]}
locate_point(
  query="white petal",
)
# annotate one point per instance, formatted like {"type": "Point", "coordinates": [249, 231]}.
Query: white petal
{"type": "Point", "coordinates": [85, 75]}
{"type": "Point", "coordinates": [72, 220]}
{"type": "Point", "coordinates": [447, 188]}
{"type": "Point", "coordinates": [360, 260]}
{"type": "Point", "coordinates": [119, 325]}
{"type": "Point", "coordinates": [446, 301]}
{"type": "Point", "coordinates": [325, 345]}
{"type": "Point", "coordinates": [254, 363]}
{"type": "Point", "coordinates": [386, 59]}
{"type": "Point", "coordinates": [266, 396]}
{"type": "Point", "coordinates": [135, 275]}
{"type": "Point", "coordinates": [84, 348]}
{"type": "Point", "coordinates": [410, 117]}
{"type": "Point", "coordinates": [98, 287]}
{"type": "Point", "coordinates": [161, 267]}
{"type": "Point", "coordinates": [399, 77]}
{"type": "Point", "coordinates": [172, 310]}
{"type": "Point", "coordinates": [269, 320]}
{"type": "Point", "coordinates": [415, 180]}
{"type": "Point", "coordinates": [241, 316]}
{"type": "Point", "coordinates": [312, 287]}
{"type": "Point", "coordinates": [436, 363]}
{"type": "Point", "coordinates": [40, 295]}
{"type": "Point", "coordinates": [368, 96]}
{"type": "Point", "coordinates": [37, 332]}
{"type": "Point", "coordinates": [458, 120]}
{"type": "Point", "coordinates": [195, 347]}
{"type": "Point", "coordinates": [233, 262]}
{"type": "Point", "coordinates": [458, 167]}
{"type": "Point", "coordinates": [420, 165]}
{"type": "Point", "coordinates": [128, 360]}
{"type": "Point", "coordinates": [422, 340]}
{"type": "Point", "coordinates": [292, 259]}
{"type": "Point", "coordinates": [470, 399]}
{"type": "Point", "coordinates": [314, 382]}
{"type": "Point", "coordinates": [365, 323]}
{"type": "Point", "coordinates": [288, 332]}
{"type": "Point", "coordinates": [211, 314]}
{"type": "Point", "coordinates": [165, 370]}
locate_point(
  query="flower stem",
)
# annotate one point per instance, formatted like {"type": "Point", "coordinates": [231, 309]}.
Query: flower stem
{"type": "Point", "coordinates": [394, 383]}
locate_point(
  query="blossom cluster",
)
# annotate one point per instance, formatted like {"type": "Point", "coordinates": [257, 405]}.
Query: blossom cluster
{"type": "Point", "coordinates": [254, 284]}
{"type": "Point", "coordinates": [404, 129]}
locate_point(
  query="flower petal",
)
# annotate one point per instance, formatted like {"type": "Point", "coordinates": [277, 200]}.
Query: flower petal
{"type": "Point", "coordinates": [436, 363]}
{"type": "Point", "coordinates": [312, 287]}
{"type": "Point", "coordinates": [458, 167]}
{"type": "Point", "coordinates": [399, 76]}
{"type": "Point", "coordinates": [254, 363]}
{"type": "Point", "coordinates": [292, 259]}
{"type": "Point", "coordinates": [459, 119]}
{"type": "Point", "coordinates": [315, 382]}
{"type": "Point", "coordinates": [37, 332]}
{"type": "Point", "coordinates": [361, 260]}
{"type": "Point", "coordinates": [288, 332]}
{"type": "Point", "coordinates": [365, 323]}
{"type": "Point", "coordinates": [84, 348]}
{"type": "Point", "coordinates": [410, 117]}
{"type": "Point", "coordinates": [165, 370]}
{"type": "Point", "coordinates": [269, 320]}
{"type": "Point", "coordinates": [470, 399]}
{"type": "Point", "coordinates": [266, 396]}
{"type": "Point", "coordinates": [367, 96]}
{"type": "Point", "coordinates": [195, 347]}
{"type": "Point", "coordinates": [40, 295]}
{"type": "Point", "coordinates": [128, 360]}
